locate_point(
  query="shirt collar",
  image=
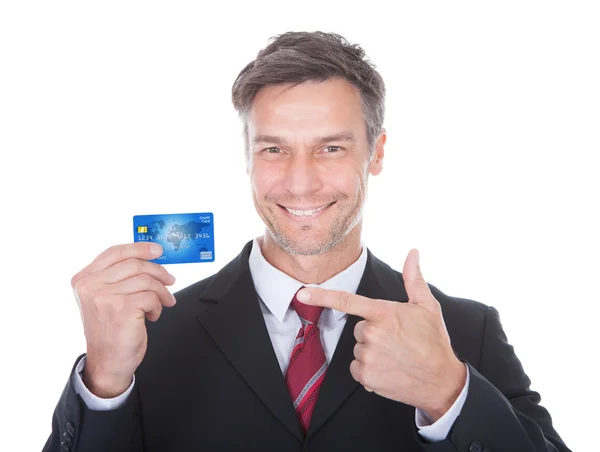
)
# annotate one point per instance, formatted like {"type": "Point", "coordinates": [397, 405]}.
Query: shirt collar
{"type": "Point", "coordinates": [276, 289]}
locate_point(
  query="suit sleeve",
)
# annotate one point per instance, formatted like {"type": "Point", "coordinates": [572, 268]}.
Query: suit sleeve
{"type": "Point", "coordinates": [76, 428]}
{"type": "Point", "coordinates": [501, 412]}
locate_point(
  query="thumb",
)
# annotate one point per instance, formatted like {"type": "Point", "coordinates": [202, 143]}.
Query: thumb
{"type": "Point", "coordinates": [416, 287]}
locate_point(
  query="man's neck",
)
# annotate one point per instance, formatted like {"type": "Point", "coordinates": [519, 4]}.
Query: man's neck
{"type": "Point", "coordinates": [314, 269]}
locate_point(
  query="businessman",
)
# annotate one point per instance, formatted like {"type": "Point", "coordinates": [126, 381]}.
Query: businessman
{"type": "Point", "coordinates": [305, 341]}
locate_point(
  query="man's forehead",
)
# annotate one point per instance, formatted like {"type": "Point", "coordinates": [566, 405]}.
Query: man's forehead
{"type": "Point", "coordinates": [313, 109]}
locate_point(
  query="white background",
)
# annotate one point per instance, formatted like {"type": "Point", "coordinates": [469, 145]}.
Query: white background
{"type": "Point", "coordinates": [110, 109]}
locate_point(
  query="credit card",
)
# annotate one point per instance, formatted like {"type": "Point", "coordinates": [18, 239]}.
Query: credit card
{"type": "Point", "coordinates": [185, 237]}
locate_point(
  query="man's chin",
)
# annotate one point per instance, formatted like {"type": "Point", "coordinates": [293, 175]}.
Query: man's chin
{"type": "Point", "coordinates": [303, 250]}
{"type": "Point", "coordinates": [307, 247]}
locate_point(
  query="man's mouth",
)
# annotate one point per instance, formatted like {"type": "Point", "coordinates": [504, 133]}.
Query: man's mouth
{"type": "Point", "coordinates": [297, 212]}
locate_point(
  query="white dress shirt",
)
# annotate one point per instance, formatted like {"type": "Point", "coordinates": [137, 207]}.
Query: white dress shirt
{"type": "Point", "coordinates": [276, 290]}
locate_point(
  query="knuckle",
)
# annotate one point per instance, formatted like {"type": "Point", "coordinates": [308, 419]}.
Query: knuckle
{"type": "Point", "coordinates": [146, 279]}
{"type": "Point", "coordinates": [103, 299]}
{"type": "Point", "coordinates": [153, 297]}
{"type": "Point", "coordinates": [155, 300]}
{"type": "Point", "coordinates": [377, 312]}
{"type": "Point", "coordinates": [369, 333]}
{"type": "Point", "coordinates": [359, 329]}
{"type": "Point", "coordinates": [162, 293]}
{"type": "Point", "coordinates": [136, 265]}
{"type": "Point", "coordinates": [344, 301]}
{"type": "Point", "coordinates": [82, 288]}
{"type": "Point", "coordinates": [367, 357]}
{"type": "Point", "coordinates": [113, 252]}
{"type": "Point", "coordinates": [383, 312]}
{"type": "Point", "coordinates": [108, 306]}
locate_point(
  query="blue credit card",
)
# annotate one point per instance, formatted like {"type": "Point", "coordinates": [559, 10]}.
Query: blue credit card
{"type": "Point", "coordinates": [185, 237]}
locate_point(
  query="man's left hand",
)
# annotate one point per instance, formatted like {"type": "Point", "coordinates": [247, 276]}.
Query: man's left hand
{"type": "Point", "coordinates": [403, 350]}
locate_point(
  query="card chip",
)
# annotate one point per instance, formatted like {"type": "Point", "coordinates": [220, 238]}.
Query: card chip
{"type": "Point", "coordinates": [142, 229]}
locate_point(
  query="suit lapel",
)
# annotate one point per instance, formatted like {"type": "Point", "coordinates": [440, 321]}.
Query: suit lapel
{"type": "Point", "coordinates": [378, 281]}
{"type": "Point", "coordinates": [237, 326]}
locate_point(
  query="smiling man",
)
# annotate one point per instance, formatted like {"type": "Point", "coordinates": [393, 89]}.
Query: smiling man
{"type": "Point", "coordinates": [305, 341]}
{"type": "Point", "coordinates": [308, 161]}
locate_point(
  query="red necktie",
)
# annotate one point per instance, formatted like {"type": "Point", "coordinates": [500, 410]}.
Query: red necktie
{"type": "Point", "coordinates": [307, 367]}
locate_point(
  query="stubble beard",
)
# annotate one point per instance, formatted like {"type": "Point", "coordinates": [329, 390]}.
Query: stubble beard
{"type": "Point", "coordinates": [305, 245]}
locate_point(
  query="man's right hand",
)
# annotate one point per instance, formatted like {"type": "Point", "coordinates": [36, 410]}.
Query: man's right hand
{"type": "Point", "coordinates": [116, 292]}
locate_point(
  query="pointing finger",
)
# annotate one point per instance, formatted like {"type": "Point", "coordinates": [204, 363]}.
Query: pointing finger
{"type": "Point", "coordinates": [349, 303]}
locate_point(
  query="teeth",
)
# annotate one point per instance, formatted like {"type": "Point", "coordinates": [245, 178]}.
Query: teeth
{"type": "Point", "coordinates": [301, 213]}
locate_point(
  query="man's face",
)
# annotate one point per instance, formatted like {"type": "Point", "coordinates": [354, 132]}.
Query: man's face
{"type": "Point", "coordinates": [309, 162]}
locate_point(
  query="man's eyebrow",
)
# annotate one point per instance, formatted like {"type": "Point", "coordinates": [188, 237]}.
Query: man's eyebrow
{"type": "Point", "coordinates": [271, 139]}
{"type": "Point", "coordinates": [341, 136]}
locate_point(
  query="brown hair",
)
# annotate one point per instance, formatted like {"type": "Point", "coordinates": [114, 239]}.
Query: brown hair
{"type": "Point", "coordinates": [297, 57]}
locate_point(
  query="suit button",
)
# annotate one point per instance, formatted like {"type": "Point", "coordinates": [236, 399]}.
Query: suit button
{"type": "Point", "coordinates": [70, 428]}
{"type": "Point", "coordinates": [64, 447]}
{"type": "Point", "coordinates": [475, 446]}
{"type": "Point", "coordinates": [67, 438]}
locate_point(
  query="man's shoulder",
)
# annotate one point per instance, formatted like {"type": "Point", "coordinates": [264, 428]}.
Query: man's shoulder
{"type": "Point", "coordinates": [458, 305]}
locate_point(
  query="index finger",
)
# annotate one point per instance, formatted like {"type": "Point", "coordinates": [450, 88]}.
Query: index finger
{"type": "Point", "coordinates": [367, 308]}
{"type": "Point", "coordinates": [118, 253]}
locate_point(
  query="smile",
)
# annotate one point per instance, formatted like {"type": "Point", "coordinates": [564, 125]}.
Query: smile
{"type": "Point", "coordinates": [307, 213]}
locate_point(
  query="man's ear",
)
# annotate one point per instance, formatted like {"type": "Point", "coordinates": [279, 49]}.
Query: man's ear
{"type": "Point", "coordinates": [376, 163]}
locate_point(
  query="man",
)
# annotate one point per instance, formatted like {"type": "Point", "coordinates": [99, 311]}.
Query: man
{"type": "Point", "coordinates": [305, 341]}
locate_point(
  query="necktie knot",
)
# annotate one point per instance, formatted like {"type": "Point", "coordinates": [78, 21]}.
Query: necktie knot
{"type": "Point", "coordinates": [306, 312]}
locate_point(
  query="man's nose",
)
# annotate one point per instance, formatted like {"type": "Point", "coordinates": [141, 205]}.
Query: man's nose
{"type": "Point", "coordinates": [303, 174]}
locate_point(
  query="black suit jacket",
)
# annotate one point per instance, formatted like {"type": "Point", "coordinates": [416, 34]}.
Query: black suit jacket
{"type": "Point", "coordinates": [210, 381]}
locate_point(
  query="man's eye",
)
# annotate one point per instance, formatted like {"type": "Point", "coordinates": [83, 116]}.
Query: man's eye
{"type": "Point", "coordinates": [332, 149]}
{"type": "Point", "coordinates": [273, 150]}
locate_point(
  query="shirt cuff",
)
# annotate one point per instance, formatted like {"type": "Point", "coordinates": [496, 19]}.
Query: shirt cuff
{"type": "Point", "coordinates": [438, 431]}
{"type": "Point", "coordinates": [92, 401]}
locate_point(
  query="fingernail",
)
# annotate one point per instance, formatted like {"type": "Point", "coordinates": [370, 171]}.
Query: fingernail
{"type": "Point", "coordinates": [174, 299]}
{"type": "Point", "coordinates": [303, 295]}
{"type": "Point", "coordinates": [156, 249]}
{"type": "Point", "coordinates": [172, 277]}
